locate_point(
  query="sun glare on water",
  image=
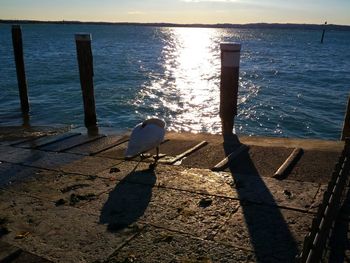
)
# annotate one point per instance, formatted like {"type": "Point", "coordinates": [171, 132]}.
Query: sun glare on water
{"type": "Point", "coordinates": [188, 91]}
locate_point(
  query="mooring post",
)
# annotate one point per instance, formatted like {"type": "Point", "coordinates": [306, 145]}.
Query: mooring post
{"type": "Point", "coordinates": [21, 74]}
{"type": "Point", "coordinates": [86, 71]}
{"type": "Point", "coordinates": [346, 126]}
{"type": "Point", "coordinates": [230, 57]}
{"type": "Point", "coordinates": [324, 30]}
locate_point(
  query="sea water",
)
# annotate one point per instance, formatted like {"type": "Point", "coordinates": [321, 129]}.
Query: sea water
{"type": "Point", "coordinates": [290, 85]}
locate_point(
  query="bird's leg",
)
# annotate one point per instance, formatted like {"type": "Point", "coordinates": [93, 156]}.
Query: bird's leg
{"type": "Point", "coordinates": [156, 158]}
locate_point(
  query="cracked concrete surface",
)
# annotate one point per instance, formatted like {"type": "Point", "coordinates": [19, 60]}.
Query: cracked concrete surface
{"type": "Point", "coordinates": [65, 206]}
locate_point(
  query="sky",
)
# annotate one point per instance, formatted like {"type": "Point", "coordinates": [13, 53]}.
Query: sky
{"type": "Point", "coordinates": [181, 11]}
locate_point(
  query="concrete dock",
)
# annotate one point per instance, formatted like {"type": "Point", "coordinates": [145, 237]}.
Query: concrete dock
{"type": "Point", "coordinates": [66, 196]}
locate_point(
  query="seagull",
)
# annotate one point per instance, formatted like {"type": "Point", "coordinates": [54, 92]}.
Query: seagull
{"type": "Point", "coordinates": [146, 136]}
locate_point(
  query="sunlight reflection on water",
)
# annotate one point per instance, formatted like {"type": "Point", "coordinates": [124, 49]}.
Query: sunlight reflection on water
{"type": "Point", "coordinates": [188, 91]}
{"type": "Point", "coordinates": [189, 88]}
{"type": "Point", "coordinates": [289, 84]}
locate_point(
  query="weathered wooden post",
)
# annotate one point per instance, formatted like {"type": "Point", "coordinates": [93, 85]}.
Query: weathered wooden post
{"type": "Point", "coordinates": [324, 30]}
{"type": "Point", "coordinates": [346, 126]}
{"type": "Point", "coordinates": [21, 74]}
{"type": "Point", "coordinates": [86, 71]}
{"type": "Point", "coordinates": [230, 57]}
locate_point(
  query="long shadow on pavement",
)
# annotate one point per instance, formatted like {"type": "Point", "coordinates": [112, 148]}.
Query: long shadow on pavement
{"type": "Point", "coordinates": [268, 231]}
{"type": "Point", "coordinates": [128, 201]}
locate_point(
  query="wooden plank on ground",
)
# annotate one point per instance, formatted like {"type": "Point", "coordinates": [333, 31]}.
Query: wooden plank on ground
{"type": "Point", "coordinates": [69, 143]}
{"type": "Point", "coordinates": [222, 165]}
{"type": "Point", "coordinates": [288, 164]}
{"type": "Point", "coordinates": [315, 166]}
{"type": "Point", "coordinates": [98, 146]}
{"type": "Point", "coordinates": [173, 160]}
{"type": "Point", "coordinates": [14, 142]}
{"type": "Point", "coordinates": [116, 152]}
{"type": "Point", "coordinates": [46, 140]}
{"type": "Point", "coordinates": [206, 157]}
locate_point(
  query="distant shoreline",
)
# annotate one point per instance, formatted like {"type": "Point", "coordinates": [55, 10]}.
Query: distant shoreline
{"type": "Point", "coordinates": [224, 25]}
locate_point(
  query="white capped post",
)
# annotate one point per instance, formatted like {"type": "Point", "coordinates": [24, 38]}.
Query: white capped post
{"type": "Point", "coordinates": [230, 58]}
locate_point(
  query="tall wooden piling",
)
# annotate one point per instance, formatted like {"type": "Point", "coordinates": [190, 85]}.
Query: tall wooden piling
{"type": "Point", "coordinates": [323, 32]}
{"type": "Point", "coordinates": [86, 71]}
{"type": "Point", "coordinates": [346, 126]}
{"type": "Point", "coordinates": [21, 74]}
{"type": "Point", "coordinates": [230, 57]}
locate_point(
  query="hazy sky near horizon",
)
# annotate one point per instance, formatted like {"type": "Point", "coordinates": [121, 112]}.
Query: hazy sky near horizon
{"type": "Point", "coordinates": [181, 11]}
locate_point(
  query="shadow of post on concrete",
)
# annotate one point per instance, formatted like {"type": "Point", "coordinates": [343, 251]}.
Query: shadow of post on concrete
{"type": "Point", "coordinates": [268, 231]}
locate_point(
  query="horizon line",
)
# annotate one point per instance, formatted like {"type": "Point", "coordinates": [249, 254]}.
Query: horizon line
{"type": "Point", "coordinates": [165, 23]}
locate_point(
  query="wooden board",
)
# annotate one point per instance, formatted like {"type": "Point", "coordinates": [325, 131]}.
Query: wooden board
{"type": "Point", "coordinates": [100, 145]}
{"type": "Point", "coordinates": [260, 161]}
{"type": "Point", "coordinates": [46, 140]}
{"type": "Point", "coordinates": [69, 143]}
{"type": "Point", "coordinates": [172, 149]}
{"type": "Point", "coordinates": [315, 166]}
{"type": "Point", "coordinates": [116, 152]}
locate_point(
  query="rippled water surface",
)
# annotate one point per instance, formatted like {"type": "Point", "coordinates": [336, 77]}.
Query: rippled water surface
{"type": "Point", "coordinates": [290, 84]}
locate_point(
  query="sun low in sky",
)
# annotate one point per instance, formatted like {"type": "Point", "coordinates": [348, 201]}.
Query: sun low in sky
{"type": "Point", "coordinates": [181, 11]}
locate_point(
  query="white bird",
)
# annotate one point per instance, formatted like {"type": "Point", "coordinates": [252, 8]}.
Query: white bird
{"type": "Point", "coordinates": [146, 136]}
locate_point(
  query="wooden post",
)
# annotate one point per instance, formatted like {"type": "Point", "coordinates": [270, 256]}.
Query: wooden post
{"type": "Point", "coordinates": [324, 30]}
{"type": "Point", "coordinates": [230, 56]}
{"type": "Point", "coordinates": [21, 74]}
{"type": "Point", "coordinates": [346, 126]}
{"type": "Point", "coordinates": [86, 71]}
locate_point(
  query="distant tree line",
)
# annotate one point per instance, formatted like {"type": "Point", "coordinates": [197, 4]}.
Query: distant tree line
{"type": "Point", "coordinates": [226, 25]}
